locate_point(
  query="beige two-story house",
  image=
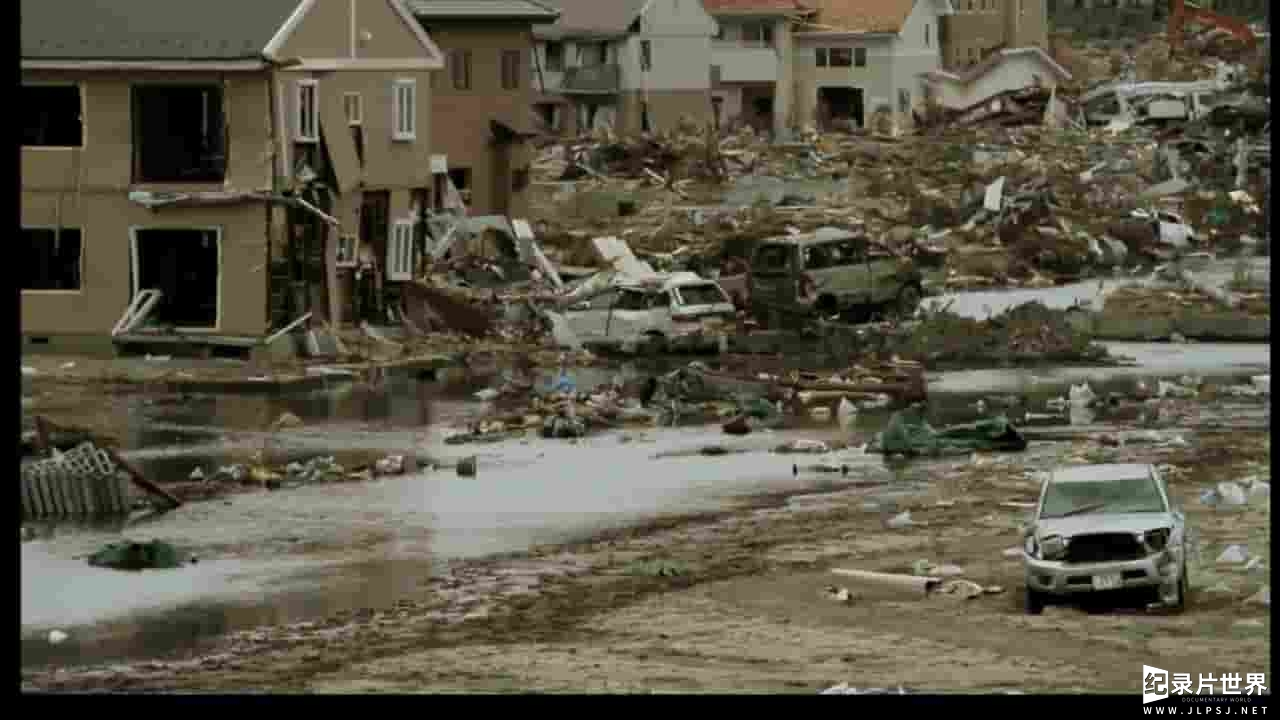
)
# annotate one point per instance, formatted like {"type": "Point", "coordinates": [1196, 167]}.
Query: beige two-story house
{"type": "Point", "coordinates": [248, 160]}
{"type": "Point", "coordinates": [978, 28]}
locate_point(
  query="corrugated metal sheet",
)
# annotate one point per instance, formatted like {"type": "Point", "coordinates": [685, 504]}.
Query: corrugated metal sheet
{"type": "Point", "coordinates": [150, 29]}
{"type": "Point", "coordinates": [487, 9]}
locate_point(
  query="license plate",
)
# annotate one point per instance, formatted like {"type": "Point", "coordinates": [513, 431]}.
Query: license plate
{"type": "Point", "coordinates": [1106, 582]}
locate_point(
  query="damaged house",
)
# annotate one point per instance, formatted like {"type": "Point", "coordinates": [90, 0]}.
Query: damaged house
{"type": "Point", "coordinates": [629, 65]}
{"type": "Point", "coordinates": [859, 58]}
{"type": "Point", "coordinates": [1003, 71]}
{"type": "Point", "coordinates": [752, 62]}
{"type": "Point", "coordinates": [482, 104]}
{"type": "Point", "coordinates": [210, 172]}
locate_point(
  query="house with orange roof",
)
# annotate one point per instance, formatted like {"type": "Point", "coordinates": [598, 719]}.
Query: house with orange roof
{"type": "Point", "coordinates": [854, 58]}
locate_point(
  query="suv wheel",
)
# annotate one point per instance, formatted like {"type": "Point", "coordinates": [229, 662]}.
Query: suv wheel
{"type": "Point", "coordinates": [1176, 601]}
{"type": "Point", "coordinates": [1035, 601]}
{"type": "Point", "coordinates": [908, 301]}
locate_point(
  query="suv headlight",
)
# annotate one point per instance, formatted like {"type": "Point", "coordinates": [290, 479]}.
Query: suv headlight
{"type": "Point", "coordinates": [1156, 540]}
{"type": "Point", "coordinates": [1053, 546]}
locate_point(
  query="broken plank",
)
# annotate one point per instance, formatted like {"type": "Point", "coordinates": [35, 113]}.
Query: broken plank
{"type": "Point", "coordinates": [140, 480]}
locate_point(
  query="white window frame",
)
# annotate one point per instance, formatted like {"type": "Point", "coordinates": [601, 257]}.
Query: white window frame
{"type": "Point", "coordinates": [400, 252]}
{"type": "Point", "coordinates": [347, 253]}
{"type": "Point", "coordinates": [302, 131]}
{"type": "Point", "coordinates": [400, 111]}
{"type": "Point", "coordinates": [353, 101]}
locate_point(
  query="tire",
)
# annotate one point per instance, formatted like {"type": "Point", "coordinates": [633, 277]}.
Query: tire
{"type": "Point", "coordinates": [907, 301]}
{"type": "Point", "coordinates": [1178, 602]}
{"type": "Point", "coordinates": [1035, 601]}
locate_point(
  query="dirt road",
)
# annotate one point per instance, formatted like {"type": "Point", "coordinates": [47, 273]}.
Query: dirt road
{"type": "Point", "coordinates": [734, 602]}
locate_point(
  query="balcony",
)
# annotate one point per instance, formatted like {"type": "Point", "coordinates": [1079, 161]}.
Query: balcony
{"type": "Point", "coordinates": [742, 62]}
{"type": "Point", "coordinates": [592, 80]}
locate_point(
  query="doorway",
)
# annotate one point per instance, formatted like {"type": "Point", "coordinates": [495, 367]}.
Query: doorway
{"type": "Point", "coordinates": [841, 103]}
{"type": "Point", "coordinates": [185, 264]}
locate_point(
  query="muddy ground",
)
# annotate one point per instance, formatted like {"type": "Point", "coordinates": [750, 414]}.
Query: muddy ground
{"type": "Point", "coordinates": [733, 601]}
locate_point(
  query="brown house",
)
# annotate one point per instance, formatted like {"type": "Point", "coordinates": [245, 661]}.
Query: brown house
{"type": "Point", "coordinates": [239, 157]}
{"type": "Point", "coordinates": [481, 106]}
{"type": "Point", "coordinates": [978, 28]}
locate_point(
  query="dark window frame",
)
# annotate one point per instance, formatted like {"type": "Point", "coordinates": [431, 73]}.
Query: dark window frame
{"type": "Point", "coordinates": [821, 57]}
{"type": "Point", "coordinates": [646, 56]}
{"type": "Point", "coordinates": [554, 60]}
{"type": "Point", "coordinates": [860, 57]}
{"type": "Point", "coordinates": [37, 269]}
{"type": "Point", "coordinates": [146, 143]}
{"type": "Point", "coordinates": [840, 57]}
{"type": "Point", "coordinates": [510, 62]}
{"type": "Point", "coordinates": [36, 130]}
{"type": "Point", "coordinates": [460, 69]}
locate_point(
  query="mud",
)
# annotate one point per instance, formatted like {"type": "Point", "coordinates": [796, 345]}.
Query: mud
{"type": "Point", "coordinates": [743, 609]}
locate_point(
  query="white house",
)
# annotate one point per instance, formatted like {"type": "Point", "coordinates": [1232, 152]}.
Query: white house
{"type": "Point", "coordinates": [1003, 70]}
{"type": "Point", "coordinates": [855, 57]}
{"type": "Point", "coordinates": [632, 65]}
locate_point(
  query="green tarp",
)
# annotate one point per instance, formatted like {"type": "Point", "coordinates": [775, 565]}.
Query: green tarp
{"type": "Point", "coordinates": [155, 555]}
{"type": "Point", "coordinates": [909, 433]}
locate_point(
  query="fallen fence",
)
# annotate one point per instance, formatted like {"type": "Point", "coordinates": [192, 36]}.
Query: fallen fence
{"type": "Point", "coordinates": [82, 481]}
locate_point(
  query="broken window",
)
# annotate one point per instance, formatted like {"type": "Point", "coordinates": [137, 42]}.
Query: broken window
{"type": "Point", "coordinates": [860, 57]}
{"type": "Point", "coordinates": [306, 109]}
{"type": "Point", "coordinates": [460, 69]}
{"type": "Point", "coordinates": [520, 179]}
{"type": "Point", "coordinates": [555, 57]}
{"type": "Point", "coordinates": [461, 179]}
{"type": "Point", "coordinates": [50, 259]}
{"type": "Point", "coordinates": [183, 264]}
{"type": "Point", "coordinates": [178, 133]}
{"type": "Point", "coordinates": [632, 300]}
{"type": "Point", "coordinates": [646, 55]}
{"type": "Point", "coordinates": [353, 108]}
{"type": "Point", "coordinates": [51, 116]}
{"type": "Point", "coordinates": [820, 57]}
{"type": "Point", "coordinates": [645, 125]}
{"type": "Point", "coordinates": [510, 69]}
{"type": "Point", "coordinates": [404, 100]}
{"type": "Point", "coordinates": [400, 252]}
{"type": "Point", "coordinates": [593, 54]}
{"type": "Point", "coordinates": [840, 57]}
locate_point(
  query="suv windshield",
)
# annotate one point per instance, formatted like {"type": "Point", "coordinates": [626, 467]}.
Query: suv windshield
{"type": "Point", "coordinates": [1104, 497]}
{"type": "Point", "coordinates": [772, 259]}
{"type": "Point", "coordinates": [709, 294]}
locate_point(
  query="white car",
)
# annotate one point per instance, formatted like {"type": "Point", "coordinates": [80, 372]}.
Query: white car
{"type": "Point", "coordinates": [1100, 528]}
{"type": "Point", "coordinates": [680, 312]}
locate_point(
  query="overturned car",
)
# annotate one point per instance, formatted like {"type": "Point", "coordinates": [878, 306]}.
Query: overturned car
{"type": "Point", "coordinates": [1102, 528]}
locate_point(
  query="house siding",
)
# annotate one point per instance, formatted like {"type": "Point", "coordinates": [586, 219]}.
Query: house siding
{"type": "Point", "coordinates": [984, 24]}
{"type": "Point", "coordinates": [461, 118]}
{"type": "Point", "coordinates": [88, 188]}
{"type": "Point", "coordinates": [915, 52]}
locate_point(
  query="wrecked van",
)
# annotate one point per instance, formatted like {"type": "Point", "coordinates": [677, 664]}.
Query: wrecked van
{"type": "Point", "coordinates": [681, 312]}
{"type": "Point", "coordinates": [831, 272]}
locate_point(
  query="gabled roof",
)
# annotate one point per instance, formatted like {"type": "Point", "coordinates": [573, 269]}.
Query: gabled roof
{"type": "Point", "coordinates": [762, 7]}
{"type": "Point", "coordinates": [482, 10]}
{"type": "Point", "coordinates": [137, 30]}
{"type": "Point", "coordinates": [997, 58]}
{"type": "Point", "coordinates": [593, 17]}
{"type": "Point", "coordinates": [859, 16]}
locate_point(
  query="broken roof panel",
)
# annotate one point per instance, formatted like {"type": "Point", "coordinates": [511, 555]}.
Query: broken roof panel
{"type": "Point", "coordinates": [859, 16]}
{"type": "Point", "coordinates": [150, 29]}
{"type": "Point", "coordinates": [998, 58]}
{"type": "Point", "coordinates": [593, 17]}
{"type": "Point", "coordinates": [482, 9]}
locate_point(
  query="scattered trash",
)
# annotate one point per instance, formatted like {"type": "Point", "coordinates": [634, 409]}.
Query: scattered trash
{"type": "Point", "coordinates": [155, 555]}
{"type": "Point", "coordinates": [1013, 553]}
{"type": "Point", "coordinates": [846, 413]}
{"type": "Point", "coordinates": [804, 446]}
{"type": "Point", "coordinates": [57, 637]}
{"type": "Point", "coordinates": [966, 589]}
{"type": "Point", "coordinates": [1233, 555]}
{"type": "Point", "coordinates": [846, 689]}
{"type": "Point", "coordinates": [390, 465]}
{"type": "Point", "coordinates": [196, 474]}
{"type": "Point", "coordinates": [286, 421]}
{"type": "Point", "coordinates": [839, 594]}
{"type": "Point", "coordinates": [899, 521]}
{"type": "Point", "coordinates": [467, 467]}
{"type": "Point", "coordinates": [1262, 597]}
{"type": "Point", "coordinates": [1231, 494]}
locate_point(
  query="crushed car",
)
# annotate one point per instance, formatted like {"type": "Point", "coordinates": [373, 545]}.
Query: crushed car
{"type": "Point", "coordinates": [830, 272]}
{"type": "Point", "coordinates": [679, 312]}
{"type": "Point", "coordinates": [1105, 528]}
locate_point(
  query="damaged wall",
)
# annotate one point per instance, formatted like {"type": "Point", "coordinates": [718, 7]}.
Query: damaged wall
{"type": "Point", "coordinates": [87, 188]}
{"type": "Point", "coordinates": [461, 118]}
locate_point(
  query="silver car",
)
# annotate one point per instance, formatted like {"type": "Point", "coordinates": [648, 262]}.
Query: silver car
{"type": "Point", "coordinates": [1102, 528]}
